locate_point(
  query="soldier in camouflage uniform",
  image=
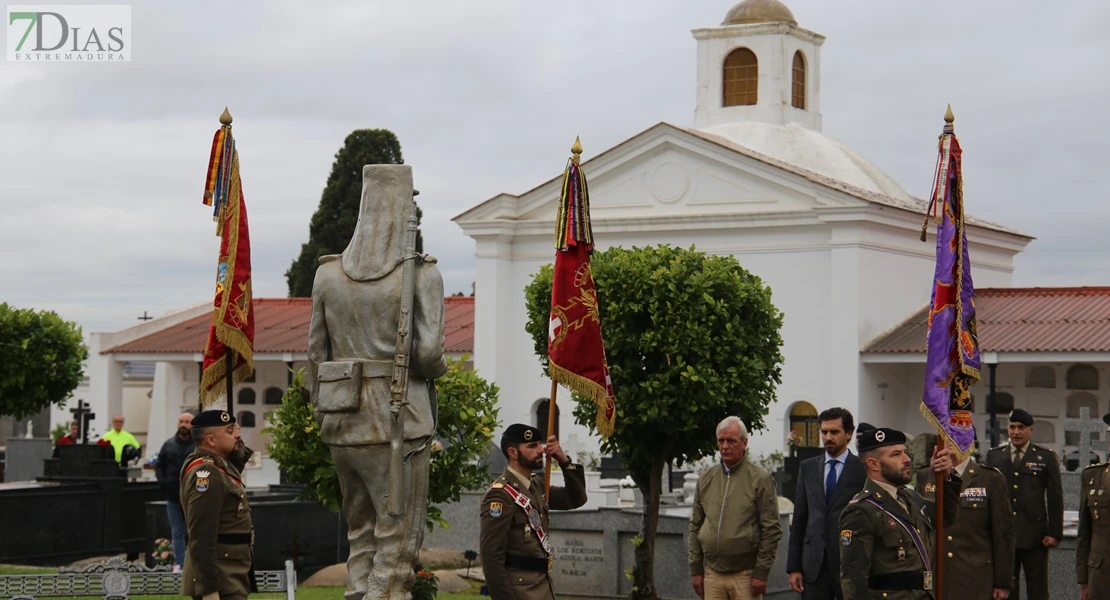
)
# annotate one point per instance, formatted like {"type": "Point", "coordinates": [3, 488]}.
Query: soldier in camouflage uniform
{"type": "Point", "coordinates": [515, 551]}
{"type": "Point", "coordinates": [887, 547]}
{"type": "Point", "coordinates": [219, 561]}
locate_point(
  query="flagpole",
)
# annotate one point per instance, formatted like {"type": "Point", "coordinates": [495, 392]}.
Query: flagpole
{"type": "Point", "coordinates": [226, 119]}
{"type": "Point", "coordinates": [938, 496]}
{"type": "Point", "coordinates": [230, 358]}
{"type": "Point", "coordinates": [550, 432]}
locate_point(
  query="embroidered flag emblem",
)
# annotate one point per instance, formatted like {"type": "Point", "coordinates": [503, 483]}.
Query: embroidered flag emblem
{"type": "Point", "coordinates": [845, 537]}
{"type": "Point", "coordinates": [202, 481]}
{"type": "Point", "coordinates": [495, 509]}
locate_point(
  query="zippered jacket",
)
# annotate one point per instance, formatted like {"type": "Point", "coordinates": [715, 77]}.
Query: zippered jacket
{"type": "Point", "coordinates": [735, 521]}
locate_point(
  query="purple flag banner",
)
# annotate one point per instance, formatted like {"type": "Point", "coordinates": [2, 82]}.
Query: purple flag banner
{"type": "Point", "coordinates": [953, 362]}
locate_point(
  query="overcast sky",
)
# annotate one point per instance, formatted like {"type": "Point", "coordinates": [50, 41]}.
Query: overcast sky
{"type": "Point", "coordinates": [102, 164]}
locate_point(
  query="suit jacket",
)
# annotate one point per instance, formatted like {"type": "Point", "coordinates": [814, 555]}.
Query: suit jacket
{"type": "Point", "coordinates": [981, 541]}
{"type": "Point", "coordinates": [1036, 494]}
{"type": "Point", "coordinates": [876, 550]}
{"type": "Point", "coordinates": [506, 535]}
{"type": "Point", "coordinates": [813, 530]}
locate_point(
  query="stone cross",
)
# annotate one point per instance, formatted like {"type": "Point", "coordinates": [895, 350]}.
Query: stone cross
{"type": "Point", "coordinates": [996, 433]}
{"type": "Point", "coordinates": [1085, 426]}
{"type": "Point", "coordinates": [83, 414]}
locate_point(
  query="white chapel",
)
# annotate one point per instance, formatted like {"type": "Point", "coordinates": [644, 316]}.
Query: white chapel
{"type": "Point", "coordinates": [754, 176]}
{"type": "Point", "coordinates": [835, 238]}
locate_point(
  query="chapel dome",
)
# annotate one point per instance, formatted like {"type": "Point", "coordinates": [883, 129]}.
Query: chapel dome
{"type": "Point", "coordinates": [811, 150]}
{"type": "Point", "coordinates": [759, 11]}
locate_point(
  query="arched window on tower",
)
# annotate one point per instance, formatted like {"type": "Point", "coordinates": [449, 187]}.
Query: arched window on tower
{"type": "Point", "coordinates": [798, 89]}
{"type": "Point", "coordinates": [741, 78]}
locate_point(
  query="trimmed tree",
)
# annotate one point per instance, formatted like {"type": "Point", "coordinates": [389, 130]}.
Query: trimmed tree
{"type": "Point", "coordinates": [43, 357]}
{"type": "Point", "coordinates": [334, 221]}
{"type": "Point", "coordinates": [466, 420]}
{"type": "Point", "coordinates": [690, 339]}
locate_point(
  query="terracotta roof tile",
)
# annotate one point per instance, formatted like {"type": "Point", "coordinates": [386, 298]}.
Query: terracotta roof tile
{"type": "Point", "coordinates": [281, 325]}
{"type": "Point", "coordinates": [1021, 320]}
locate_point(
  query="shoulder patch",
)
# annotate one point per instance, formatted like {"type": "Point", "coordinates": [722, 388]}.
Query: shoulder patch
{"type": "Point", "coordinates": [845, 537]}
{"type": "Point", "coordinates": [495, 509]}
{"type": "Point", "coordinates": [202, 480]}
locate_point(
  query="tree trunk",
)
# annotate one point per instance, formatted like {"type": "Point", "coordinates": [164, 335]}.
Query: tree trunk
{"type": "Point", "coordinates": [644, 571]}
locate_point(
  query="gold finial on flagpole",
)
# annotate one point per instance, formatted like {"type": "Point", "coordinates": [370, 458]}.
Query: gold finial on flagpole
{"type": "Point", "coordinates": [225, 118]}
{"type": "Point", "coordinates": [948, 116]}
{"type": "Point", "coordinates": [576, 150]}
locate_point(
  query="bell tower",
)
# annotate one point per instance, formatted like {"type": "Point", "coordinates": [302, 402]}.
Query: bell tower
{"type": "Point", "coordinates": [758, 65]}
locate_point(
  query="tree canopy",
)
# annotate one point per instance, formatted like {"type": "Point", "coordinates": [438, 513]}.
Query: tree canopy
{"type": "Point", "coordinates": [43, 357]}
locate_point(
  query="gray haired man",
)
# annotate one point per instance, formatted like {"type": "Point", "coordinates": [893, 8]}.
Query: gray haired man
{"type": "Point", "coordinates": [734, 528]}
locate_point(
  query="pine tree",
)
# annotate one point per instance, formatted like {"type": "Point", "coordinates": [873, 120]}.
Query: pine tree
{"type": "Point", "coordinates": [334, 221]}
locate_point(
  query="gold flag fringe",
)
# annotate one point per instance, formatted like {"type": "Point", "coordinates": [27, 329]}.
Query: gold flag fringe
{"type": "Point", "coordinates": [588, 388]}
{"type": "Point", "coordinates": [949, 443]}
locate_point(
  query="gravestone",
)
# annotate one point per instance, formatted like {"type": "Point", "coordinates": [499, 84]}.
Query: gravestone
{"type": "Point", "coordinates": [1084, 425]}
{"type": "Point", "coordinates": [1071, 482]}
{"type": "Point", "coordinates": [25, 458]}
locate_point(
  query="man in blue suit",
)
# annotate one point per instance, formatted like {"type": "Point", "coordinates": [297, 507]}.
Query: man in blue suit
{"type": "Point", "coordinates": [825, 485]}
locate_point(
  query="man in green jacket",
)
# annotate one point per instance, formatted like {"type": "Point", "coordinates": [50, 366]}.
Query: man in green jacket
{"type": "Point", "coordinates": [119, 438]}
{"type": "Point", "coordinates": [734, 528]}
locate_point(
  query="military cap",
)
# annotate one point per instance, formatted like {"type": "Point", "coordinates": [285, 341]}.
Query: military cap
{"type": "Point", "coordinates": [1020, 416]}
{"type": "Point", "coordinates": [865, 427]}
{"type": "Point", "coordinates": [879, 437]}
{"type": "Point", "coordinates": [212, 418]}
{"type": "Point", "coordinates": [519, 433]}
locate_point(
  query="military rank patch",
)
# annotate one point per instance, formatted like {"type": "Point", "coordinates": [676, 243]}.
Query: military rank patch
{"type": "Point", "coordinates": [495, 509]}
{"type": "Point", "coordinates": [930, 488]}
{"type": "Point", "coordinates": [202, 481]}
{"type": "Point", "coordinates": [845, 537]}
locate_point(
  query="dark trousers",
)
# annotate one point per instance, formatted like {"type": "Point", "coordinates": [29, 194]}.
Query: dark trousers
{"type": "Point", "coordinates": [825, 587]}
{"type": "Point", "coordinates": [1035, 563]}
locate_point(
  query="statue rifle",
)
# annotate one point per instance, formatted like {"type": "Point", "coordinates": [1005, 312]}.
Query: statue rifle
{"type": "Point", "coordinates": [399, 386]}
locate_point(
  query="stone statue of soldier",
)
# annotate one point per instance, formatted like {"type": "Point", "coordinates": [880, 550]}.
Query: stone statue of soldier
{"type": "Point", "coordinates": [353, 337]}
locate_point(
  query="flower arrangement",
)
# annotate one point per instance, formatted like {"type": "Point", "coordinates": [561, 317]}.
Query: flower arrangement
{"type": "Point", "coordinates": [163, 552]}
{"type": "Point", "coordinates": [426, 586]}
{"type": "Point", "coordinates": [793, 440]}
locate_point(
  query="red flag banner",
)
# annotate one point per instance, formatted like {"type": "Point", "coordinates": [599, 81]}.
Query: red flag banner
{"type": "Point", "coordinates": [233, 316]}
{"type": "Point", "coordinates": [575, 349]}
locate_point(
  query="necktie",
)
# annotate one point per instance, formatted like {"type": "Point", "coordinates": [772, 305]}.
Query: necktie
{"type": "Point", "coordinates": [1017, 455]}
{"type": "Point", "coordinates": [830, 480]}
{"type": "Point", "coordinates": [904, 499]}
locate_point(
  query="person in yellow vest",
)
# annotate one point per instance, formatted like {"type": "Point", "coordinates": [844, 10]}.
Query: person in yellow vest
{"type": "Point", "coordinates": [119, 438]}
{"type": "Point", "coordinates": [219, 557]}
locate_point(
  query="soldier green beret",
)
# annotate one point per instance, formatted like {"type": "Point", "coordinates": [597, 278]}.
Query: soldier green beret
{"type": "Point", "coordinates": [212, 418]}
{"type": "Point", "coordinates": [877, 438]}
{"type": "Point", "coordinates": [1020, 416]}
